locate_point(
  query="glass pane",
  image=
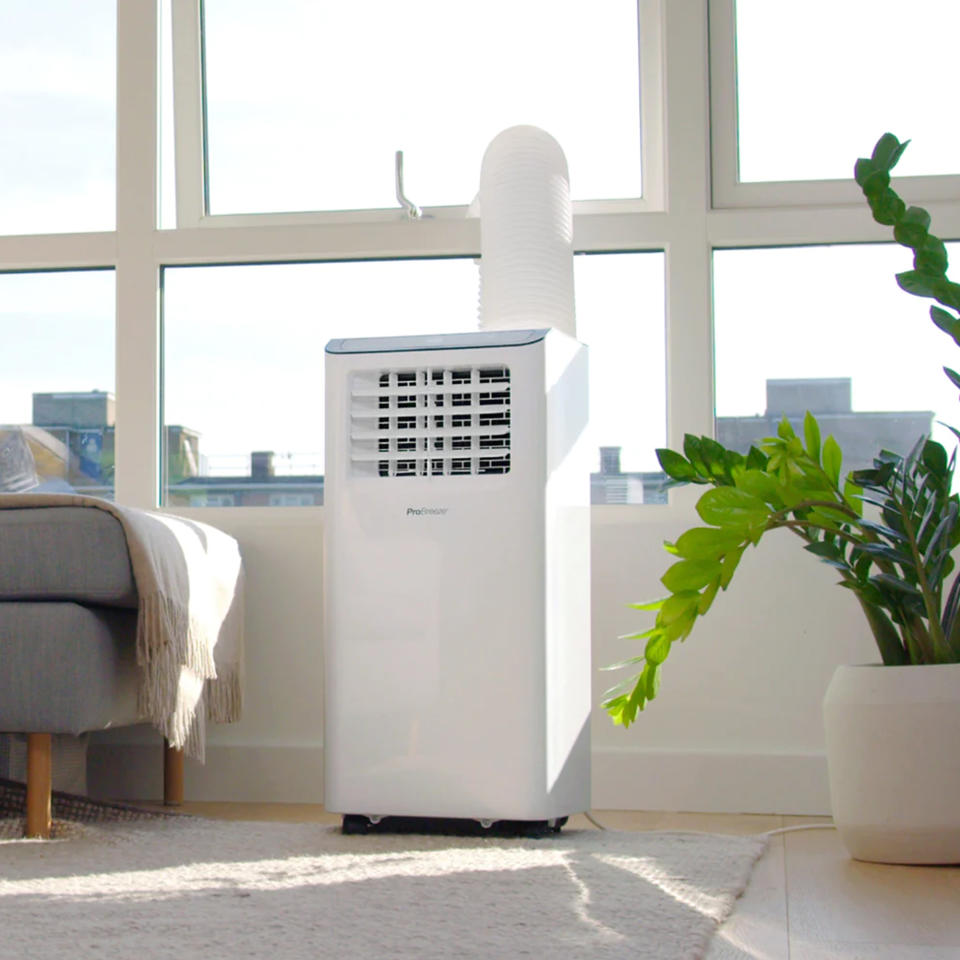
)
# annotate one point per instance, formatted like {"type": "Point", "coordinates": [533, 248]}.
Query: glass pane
{"type": "Point", "coordinates": [337, 88]}
{"type": "Point", "coordinates": [620, 316]}
{"type": "Point", "coordinates": [828, 329]}
{"type": "Point", "coordinates": [819, 82]}
{"type": "Point", "coordinates": [244, 363]}
{"type": "Point", "coordinates": [57, 383]}
{"type": "Point", "coordinates": [57, 115]}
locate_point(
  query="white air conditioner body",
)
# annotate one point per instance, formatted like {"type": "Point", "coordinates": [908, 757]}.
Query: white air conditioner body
{"type": "Point", "coordinates": [457, 576]}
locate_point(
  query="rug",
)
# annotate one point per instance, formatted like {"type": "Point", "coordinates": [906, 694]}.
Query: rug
{"type": "Point", "coordinates": [186, 887]}
{"type": "Point", "coordinates": [69, 812]}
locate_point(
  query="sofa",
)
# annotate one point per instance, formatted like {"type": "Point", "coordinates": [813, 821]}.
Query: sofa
{"type": "Point", "coordinates": [68, 624]}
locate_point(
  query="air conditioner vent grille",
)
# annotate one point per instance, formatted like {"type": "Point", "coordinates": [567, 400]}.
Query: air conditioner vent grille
{"type": "Point", "coordinates": [431, 422]}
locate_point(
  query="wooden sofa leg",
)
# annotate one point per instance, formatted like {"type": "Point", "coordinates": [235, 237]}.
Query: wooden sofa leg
{"type": "Point", "coordinates": [172, 775]}
{"type": "Point", "coordinates": [39, 784]}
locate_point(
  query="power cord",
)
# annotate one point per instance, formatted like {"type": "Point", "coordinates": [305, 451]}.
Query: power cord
{"type": "Point", "coordinates": [802, 826]}
{"type": "Point", "coordinates": [765, 833]}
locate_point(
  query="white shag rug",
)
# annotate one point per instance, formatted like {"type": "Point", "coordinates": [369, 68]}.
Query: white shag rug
{"type": "Point", "coordinates": [188, 888]}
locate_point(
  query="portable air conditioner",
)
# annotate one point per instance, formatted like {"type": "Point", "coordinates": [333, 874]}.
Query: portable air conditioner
{"type": "Point", "coordinates": [457, 577]}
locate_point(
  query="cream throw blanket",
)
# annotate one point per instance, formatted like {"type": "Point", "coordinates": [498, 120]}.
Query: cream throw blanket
{"type": "Point", "coordinates": [189, 579]}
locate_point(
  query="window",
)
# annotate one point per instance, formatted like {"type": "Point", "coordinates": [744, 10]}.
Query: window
{"type": "Point", "coordinates": [57, 406]}
{"type": "Point", "coordinates": [620, 316]}
{"type": "Point", "coordinates": [339, 87]}
{"type": "Point", "coordinates": [57, 115]}
{"type": "Point", "coordinates": [244, 361]}
{"type": "Point", "coordinates": [845, 344]}
{"type": "Point", "coordinates": [244, 365]}
{"type": "Point", "coordinates": [819, 81]}
{"type": "Point", "coordinates": [798, 92]}
{"type": "Point", "coordinates": [253, 300]}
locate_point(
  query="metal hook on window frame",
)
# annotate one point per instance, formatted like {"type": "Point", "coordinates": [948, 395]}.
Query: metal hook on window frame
{"type": "Point", "coordinates": [413, 211]}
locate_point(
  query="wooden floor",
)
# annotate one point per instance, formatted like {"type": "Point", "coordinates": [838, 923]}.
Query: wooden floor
{"type": "Point", "coordinates": [807, 900]}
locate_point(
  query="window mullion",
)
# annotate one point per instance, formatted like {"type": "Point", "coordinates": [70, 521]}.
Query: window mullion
{"type": "Point", "coordinates": [137, 382]}
{"type": "Point", "coordinates": [688, 290]}
{"type": "Point", "coordinates": [723, 105]}
{"type": "Point", "coordinates": [652, 141]}
{"type": "Point", "coordinates": [188, 113]}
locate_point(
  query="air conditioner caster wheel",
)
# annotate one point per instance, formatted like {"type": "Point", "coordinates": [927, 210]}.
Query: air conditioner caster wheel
{"type": "Point", "coordinates": [356, 823]}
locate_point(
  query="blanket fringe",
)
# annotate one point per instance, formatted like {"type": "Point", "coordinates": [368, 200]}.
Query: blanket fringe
{"type": "Point", "coordinates": [174, 671]}
{"type": "Point", "coordinates": [224, 696]}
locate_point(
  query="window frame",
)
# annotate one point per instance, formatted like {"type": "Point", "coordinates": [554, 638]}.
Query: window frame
{"type": "Point", "coordinates": [729, 191]}
{"type": "Point", "coordinates": [685, 213]}
{"type": "Point", "coordinates": [191, 161]}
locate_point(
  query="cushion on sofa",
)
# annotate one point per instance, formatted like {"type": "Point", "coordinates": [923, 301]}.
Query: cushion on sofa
{"type": "Point", "coordinates": [64, 553]}
{"type": "Point", "coordinates": [95, 681]}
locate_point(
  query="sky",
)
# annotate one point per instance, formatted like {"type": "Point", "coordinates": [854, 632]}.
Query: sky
{"type": "Point", "coordinates": [244, 344]}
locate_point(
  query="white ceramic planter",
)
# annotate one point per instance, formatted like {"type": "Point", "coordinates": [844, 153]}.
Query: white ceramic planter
{"type": "Point", "coordinates": [893, 752]}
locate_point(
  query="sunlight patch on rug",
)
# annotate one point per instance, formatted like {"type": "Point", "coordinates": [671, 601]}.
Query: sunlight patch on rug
{"type": "Point", "coordinates": [306, 890]}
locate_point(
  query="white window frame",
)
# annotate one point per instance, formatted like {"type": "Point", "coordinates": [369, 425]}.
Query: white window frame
{"type": "Point", "coordinates": [729, 192]}
{"type": "Point", "coordinates": [680, 215]}
{"type": "Point", "coordinates": [191, 167]}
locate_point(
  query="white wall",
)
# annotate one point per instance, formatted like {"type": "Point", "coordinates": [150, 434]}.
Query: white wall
{"type": "Point", "coordinates": [737, 723]}
{"type": "Point", "coordinates": [736, 726]}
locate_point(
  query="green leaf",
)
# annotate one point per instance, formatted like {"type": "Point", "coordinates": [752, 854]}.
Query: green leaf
{"type": "Point", "coordinates": [707, 597]}
{"type": "Point", "coordinates": [657, 649]}
{"type": "Point", "coordinates": [756, 459]}
{"type": "Point", "coordinates": [851, 494]}
{"type": "Point", "coordinates": [863, 169]}
{"type": "Point", "coordinates": [919, 284]}
{"type": "Point", "coordinates": [785, 430]}
{"type": "Point", "coordinates": [759, 484]}
{"type": "Point", "coordinates": [733, 462]}
{"type": "Point", "coordinates": [947, 322]}
{"type": "Point", "coordinates": [692, 447]}
{"type": "Point", "coordinates": [714, 457]}
{"type": "Point", "coordinates": [884, 531]}
{"type": "Point", "coordinates": [732, 507]}
{"type": "Point", "coordinates": [826, 551]}
{"type": "Point", "coordinates": [829, 517]}
{"type": "Point", "coordinates": [887, 207]}
{"type": "Point", "coordinates": [638, 636]}
{"type": "Point", "coordinates": [830, 560]}
{"type": "Point", "coordinates": [677, 606]}
{"type": "Point", "coordinates": [952, 376]}
{"type": "Point", "coordinates": [832, 459]}
{"type": "Point", "coordinates": [909, 235]}
{"type": "Point", "coordinates": [885, 634]}
{"type": "Point", "coordinates": [730, 563]}
{"type": "Point", "coordinates": [651, 676]}
{"type": "Point", "coordinates": [706, 543]}
{"type": "Point", "coordinates": [690, 574]}
{"type": "Point", "coordinates": [895, 583]}
{"type": "Point", "coordinates": [940, 540]}
{"type": "Point", "coordinates": [935, 458]}
{"type": "Point", "coordinates": [887, 151]}
{"type": "Point", "coordinates": [623, 663]}
{"type": "Point", "coordinates": [917, 217]}
{"type": "Point", "coordinates": [676, 467]}
{"type": "Point", "coordinates": [886, 552]}
{"type": "Point", "coordinates": [872, 181]}
{"type": "Point", "coordinates": [811, 433]}
{"type": "Point", "coordinates": [648, 605]}
{"type": "Point", "coordinates": [621, 711]}
{"type": "Point", "coordinates": [930, 253]}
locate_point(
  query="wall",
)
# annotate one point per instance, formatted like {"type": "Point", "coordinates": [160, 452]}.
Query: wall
{"type": "Point", "coordinates": [736, 726]}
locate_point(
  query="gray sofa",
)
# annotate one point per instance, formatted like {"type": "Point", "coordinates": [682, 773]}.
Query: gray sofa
{"type": "Point", "coordinates": [68, 617]}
